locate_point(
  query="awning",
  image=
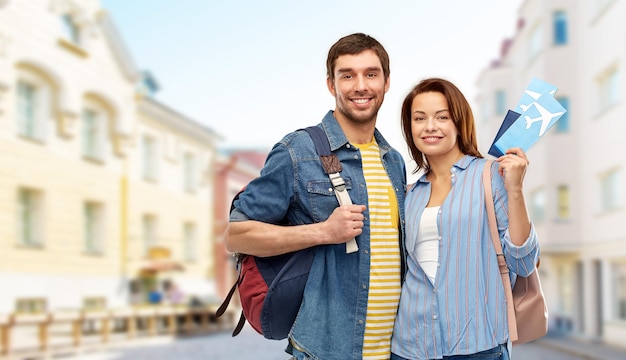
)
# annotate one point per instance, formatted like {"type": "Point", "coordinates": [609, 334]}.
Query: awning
{"type": "Point", "coordinates": [161, 266]}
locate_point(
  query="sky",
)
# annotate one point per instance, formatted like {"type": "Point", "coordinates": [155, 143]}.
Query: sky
{"type": "Point", "coordinates": [253, 70]}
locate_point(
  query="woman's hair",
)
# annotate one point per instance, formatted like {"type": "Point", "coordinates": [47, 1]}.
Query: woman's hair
{"type": "Point", "coordinates": [460, 111]}
{"type": "Point", "coordinates": [352, 45]}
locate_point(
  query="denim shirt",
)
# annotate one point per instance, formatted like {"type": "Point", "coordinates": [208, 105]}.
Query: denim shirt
{"type": "Point", "coordinates": [293, 188]}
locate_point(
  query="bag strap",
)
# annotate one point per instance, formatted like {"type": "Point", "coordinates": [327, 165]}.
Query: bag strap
{"type": "Point", "coordinates": [332, 167]}
{"type": "Point", "coordinates": [495, 238]}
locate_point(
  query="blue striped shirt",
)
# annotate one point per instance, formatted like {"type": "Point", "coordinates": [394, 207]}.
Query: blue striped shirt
{"type": "Point", "coordinates": [464, 312]}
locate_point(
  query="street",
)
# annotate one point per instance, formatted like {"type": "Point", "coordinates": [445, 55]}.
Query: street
{"type": "Point", "coordinates": [250, 345]}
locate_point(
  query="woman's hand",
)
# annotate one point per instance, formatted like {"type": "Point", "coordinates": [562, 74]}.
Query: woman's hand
{"type": "Point", "coordinates": [513, 166]}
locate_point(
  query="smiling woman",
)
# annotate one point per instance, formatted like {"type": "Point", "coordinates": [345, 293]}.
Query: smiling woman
{"type": "Point", "coordinates": [445, 209]}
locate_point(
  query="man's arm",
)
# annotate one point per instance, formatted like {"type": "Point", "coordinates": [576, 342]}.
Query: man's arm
{"type": "Point", "coordinates": [262, 239]}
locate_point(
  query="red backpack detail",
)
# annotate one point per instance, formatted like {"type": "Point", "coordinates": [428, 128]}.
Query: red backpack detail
{"type": "Point", "coordinates": [271, 288]}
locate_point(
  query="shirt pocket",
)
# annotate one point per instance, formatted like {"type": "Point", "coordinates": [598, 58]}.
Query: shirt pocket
{"type": "Point", "coordinates": [322, 198]}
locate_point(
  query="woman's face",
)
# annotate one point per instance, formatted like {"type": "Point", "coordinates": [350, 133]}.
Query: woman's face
{"type": "Point", "coordinates": [434, 132]}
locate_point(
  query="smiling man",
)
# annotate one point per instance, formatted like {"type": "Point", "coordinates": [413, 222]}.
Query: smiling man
{"type": "Point", "coordinates": [350, 300]}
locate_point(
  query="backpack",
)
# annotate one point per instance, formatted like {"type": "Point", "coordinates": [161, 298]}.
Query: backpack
{"type": "Point", "coordinates": [271, 288]}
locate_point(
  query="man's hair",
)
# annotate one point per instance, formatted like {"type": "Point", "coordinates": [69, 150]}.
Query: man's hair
{"type": "Point", "coordinates": [460, 111]}
{"type": "Point", "coordinates": [352, 45]}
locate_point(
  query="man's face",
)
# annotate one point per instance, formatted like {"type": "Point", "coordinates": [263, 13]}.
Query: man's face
{"type": "Point", "coordinates": [359, 86]}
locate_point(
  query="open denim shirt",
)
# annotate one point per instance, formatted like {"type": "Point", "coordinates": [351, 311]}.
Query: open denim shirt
{"type": "Point", "coordinates": [293, 187]}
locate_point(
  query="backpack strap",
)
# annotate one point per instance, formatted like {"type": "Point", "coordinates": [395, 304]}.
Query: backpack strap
{"type": "Point", "coordinates": [495, 238]}
{"type": "Point", "coordinates": [220, 311]}
{"type": "Point", "coordinates": [332, 167]}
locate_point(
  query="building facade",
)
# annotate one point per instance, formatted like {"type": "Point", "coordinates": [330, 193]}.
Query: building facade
{"type": "Point", "coordinates": [106, 192]}
{"type": "Point", "coordinates": [235, 168]}
{"type": "Point", "coordinates": [575, 184]}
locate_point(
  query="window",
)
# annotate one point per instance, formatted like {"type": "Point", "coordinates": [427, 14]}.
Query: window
{"type": "Point", "coordinates": [149, 225]}
{"type": "Point", "coordinates": [70, 30]}
{"type": "Point", "coordinates": [535, 42]}
{"type": "Point", "coordinates": [501, 108]}
{"type": "Point", "coordinates": [538, 206]}
{"type": "Point", "coordinates": [26, 105]}
{"type": "Point", "coordinates": [189, 172]}
{"type": "Point", "coordinates": [559, 19]}
{"type": "Point", "coordinates": [610, 191]}
{"type": "Point", "coordinates": [619, 284]}
{"type": "Point", "coordinates": [31, 306]}
{"type": "Point", "coordinates": [189, 236]}
{"type": "Point", "coordinates": [149, 153]}
{"type": "Point", "coordinates": [31, 108]}
{"type": "Point", "coordinates": [608, 89]}
{"type": "Point", "coordinates": [30, 220]}
{"type": "Point", "coordinates": [563, 124]}
{"type": "Point", "coordinates": [93, 227]}
{"type": "Point", "coordinates": [94, 303]}
{"type": "Point", "coordinates": [563, 202]}
{"type": "Point", "coordinates": [94, 126]}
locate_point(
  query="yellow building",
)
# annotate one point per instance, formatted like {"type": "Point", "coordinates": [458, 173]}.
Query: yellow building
{"type": "Point", "coordinates": [100, 184]}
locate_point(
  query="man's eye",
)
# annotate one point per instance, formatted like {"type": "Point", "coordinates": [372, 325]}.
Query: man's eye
{"type": "Point", "coordinates": [372, 75]}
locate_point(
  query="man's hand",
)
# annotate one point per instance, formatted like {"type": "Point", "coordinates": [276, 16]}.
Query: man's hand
{"type": "Point", "coordinates": [345, 223]}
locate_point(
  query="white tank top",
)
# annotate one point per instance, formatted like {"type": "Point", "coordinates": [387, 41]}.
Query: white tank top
{"type": "Point", "coordinates": [428, 242]}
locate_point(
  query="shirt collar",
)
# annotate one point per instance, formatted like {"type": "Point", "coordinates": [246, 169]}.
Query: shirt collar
{"type": "Point", "coordinates": [461, 164]}
{"type": "Point", "coordinates": [337, 138]}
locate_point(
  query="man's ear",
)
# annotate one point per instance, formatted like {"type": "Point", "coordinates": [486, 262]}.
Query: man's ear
{"type": "Point", "coordinates": [331, 86]}
{"type": "Point", "coordinates": [387, 83]}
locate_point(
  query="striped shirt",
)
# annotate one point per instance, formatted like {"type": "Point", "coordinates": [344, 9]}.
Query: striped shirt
{"type": "Point", "coordinates": [384, 291]}
{"type": "Point", "coordinates": [464, 311]}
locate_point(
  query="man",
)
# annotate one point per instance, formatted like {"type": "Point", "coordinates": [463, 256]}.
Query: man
{"type": "Point", "coordinates": [350, 300]}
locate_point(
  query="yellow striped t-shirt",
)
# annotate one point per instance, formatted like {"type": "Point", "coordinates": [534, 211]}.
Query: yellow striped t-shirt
{"type": "Point", "coordinates": [384, 291]}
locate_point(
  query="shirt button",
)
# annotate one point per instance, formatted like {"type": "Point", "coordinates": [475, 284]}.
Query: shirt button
{"type": "Point", "coordinates": [330, 189]}
{"type": "Point", "coordinates": [367, 251]}
{"type": "Point", "coordinates": [356, 157]}
{"type": "Point", "coordinates": [364, 286]}
{"type": "Point", "coordinates": [434, 317]}
{"type": "Point", "coordinates": [347, 146]}
{"type": "Point", "coordinates": [360, 321]}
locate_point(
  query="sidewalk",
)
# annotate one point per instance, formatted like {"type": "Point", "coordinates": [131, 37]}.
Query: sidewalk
{"type": "Point", "coordinates": [587, 349]}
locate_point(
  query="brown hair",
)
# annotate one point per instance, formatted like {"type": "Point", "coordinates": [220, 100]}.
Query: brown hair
{"type": "Point", "coordinates": [460, 111]}
{"type": "Point", "coordinates": [355, 44]}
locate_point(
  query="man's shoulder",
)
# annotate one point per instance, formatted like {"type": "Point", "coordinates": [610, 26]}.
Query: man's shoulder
{"type": "Point", "coordinates": [297, 140]}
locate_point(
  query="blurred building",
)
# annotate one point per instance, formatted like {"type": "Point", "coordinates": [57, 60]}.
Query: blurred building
{"type": "Point", "coordinates": [575, 185]}
{"type": "Point", "coordinates": [105, 192]}
{"type": "Point", "coordinates": [234, 169]}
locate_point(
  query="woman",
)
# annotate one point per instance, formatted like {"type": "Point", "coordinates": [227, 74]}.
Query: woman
{"type": "Point", "coordinates": [452, 304]}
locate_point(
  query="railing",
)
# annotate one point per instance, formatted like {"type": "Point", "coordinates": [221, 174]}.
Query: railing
{"type": "Point", "coordinates": [72, 332]}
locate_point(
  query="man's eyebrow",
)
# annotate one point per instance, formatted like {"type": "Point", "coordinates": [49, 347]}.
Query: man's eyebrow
{"type": "Point", "coordinates": [369, 69]}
